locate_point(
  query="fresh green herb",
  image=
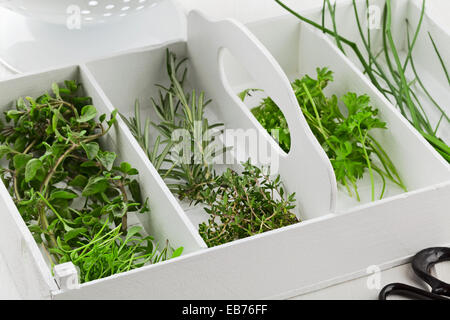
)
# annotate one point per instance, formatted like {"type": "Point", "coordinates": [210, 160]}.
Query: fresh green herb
{"type": "Point", "coordinates": [247, 93]}
{"type": "Point", "coordinates": [246, 204]}
{"type": "Point", "coordinates": [345, 137]}
{"type": "Point", "coordinates": [66, 187]}
{"type": "Point", "coordinates": [242, 205]}
{"type": "Point", "coordinates": [179, 112]}
{"type": "Point", "coordinates": [441, 61]}
{"type": "Point", "coordinates": [273, 120]}
{"type": "Point", "coordinates": [392, 81]}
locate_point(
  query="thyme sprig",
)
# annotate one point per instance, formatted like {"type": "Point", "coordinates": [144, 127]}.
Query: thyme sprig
{"type": "Point", "coordinates": [245, 204]}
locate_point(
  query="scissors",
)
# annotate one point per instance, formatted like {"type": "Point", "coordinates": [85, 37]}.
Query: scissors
{"type": "Point", "coordinates": [422, 263]}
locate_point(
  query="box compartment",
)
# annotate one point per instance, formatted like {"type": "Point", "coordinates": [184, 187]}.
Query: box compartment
{"type": "Point", "coordinates": [29, 267]}
{"type": "Point", "coordinates": [424, 56]}
{"type": "Point", "coordinates": [300, 49]}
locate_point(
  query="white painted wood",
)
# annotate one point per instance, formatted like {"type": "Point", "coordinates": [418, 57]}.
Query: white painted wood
{"type": "Point", "coordinates": [278, 264]}
{"type": "Point", "coordinates": [27, 267]}
{"type": "Point", "coordinates": [306, 161]}
{"type": "Point", "coordinates": [23, 258]}
{"type": "Point", "coordinates": [363, 288]}
{"type": "Point", "coordinates": [368, 285]}
{"type": "Point", "coordinates": [8, 290]}
{"type": "Point", "coordinates": [66, 276]}
{"type": "Point", "coordinates": [246, 10]}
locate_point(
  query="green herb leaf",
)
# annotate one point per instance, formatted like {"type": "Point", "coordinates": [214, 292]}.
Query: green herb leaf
{"type": "Point", "coordinates": [79, 181]}
{"type": "Point", "coordinates": [132, 232]}
{"type": "Point", "coordinates": [91, 149]}
{"type": "Point", "coordinates": [21, 160]}
{"type": "Point", "coordinates": [4, 150]}
{"type": "Point", "coordinates": [177, 252]}
{"type": "Point", "coordinates": [135, 190]}
{"type": "Point", "coordinates": [31, 168]}
{"type": "Point", "coordinates": [87, 113]}
{"type": "Point", "coordinates": [55, 89]}
{"type": "Point", "coordinates": [62, 194]}
{"type": "Point", "coordinates": [95, 185]}
{"type": "Point", "coordinates": [107, 159]}
{"type": "Point", "coordinates": [74, 233]}
{"type": "Point", "coordinates": [13, 114]}
{"type": "Point", "coordinates": [125, 167]}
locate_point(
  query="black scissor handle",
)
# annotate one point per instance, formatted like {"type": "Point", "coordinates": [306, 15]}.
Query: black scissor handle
{"type": "Point", "coordinates": [422, 263]}
{"type": "Point", "coordinates": [407, 291]}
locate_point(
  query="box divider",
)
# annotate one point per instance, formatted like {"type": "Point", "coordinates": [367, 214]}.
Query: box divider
{"type": "Point", "coordinates": [173, 222]}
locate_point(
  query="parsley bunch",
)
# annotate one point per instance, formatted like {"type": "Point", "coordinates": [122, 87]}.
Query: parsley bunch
{"type": "Point", "coordinates": [66, 187]}
{"type": "Point", "coordinates": [345, 136]}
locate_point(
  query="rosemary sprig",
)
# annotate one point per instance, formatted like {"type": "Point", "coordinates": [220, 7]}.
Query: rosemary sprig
{"type": "Point", "coordinates": [238, 204]}
{"type": "Point", "coordinates": [187, 169]}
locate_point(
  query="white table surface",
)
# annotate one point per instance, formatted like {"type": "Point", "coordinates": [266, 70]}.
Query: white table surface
{"type": "Point", "coordinates": [251, 10]}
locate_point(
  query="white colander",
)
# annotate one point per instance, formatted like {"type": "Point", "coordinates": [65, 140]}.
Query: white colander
{"type": "Point", "coordinates": [89, 11]}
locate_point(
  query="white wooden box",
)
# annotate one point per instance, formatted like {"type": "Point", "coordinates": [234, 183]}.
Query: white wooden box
{"type": "Point", "coordinates": [337, 240]}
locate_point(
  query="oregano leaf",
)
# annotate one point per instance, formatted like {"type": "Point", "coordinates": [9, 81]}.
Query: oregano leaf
{"type": "Point", "coordinates": [88, 113]}
{"type": "Point", "coordinates": [91, 149]}
{"type": "Point", "coordinates": [31, 168]}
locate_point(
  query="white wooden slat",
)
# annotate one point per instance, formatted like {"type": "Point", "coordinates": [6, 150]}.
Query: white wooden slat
{"type": "Point", "coordinates": [21, 254]}
{"type": "Point", "coordinates": [306, 160]}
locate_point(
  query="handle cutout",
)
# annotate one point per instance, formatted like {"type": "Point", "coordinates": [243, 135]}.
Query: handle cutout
{"type": "Point", "coordinates": [253, 97]}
